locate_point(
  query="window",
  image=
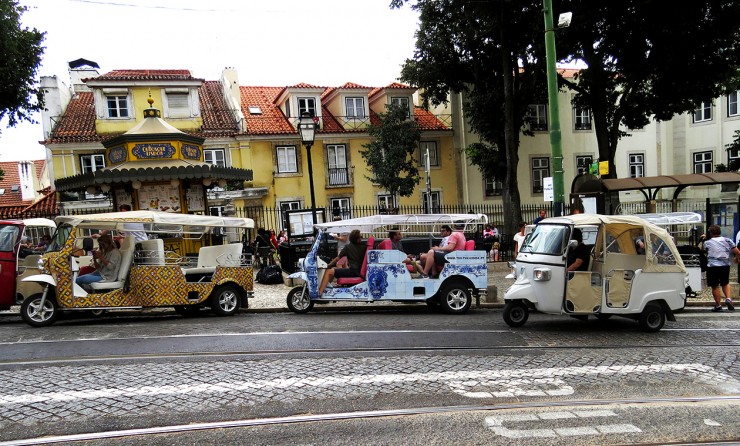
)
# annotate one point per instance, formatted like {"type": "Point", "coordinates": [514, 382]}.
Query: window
{"type": "Point", "coordinates": [733, 158]}
{"type": "Point", "coordinates": [493, 188]}
{"type": "Point", "coordinates": [703, 162]}
{"type": "Point", "coordinates": [254, 110]}
{"type": "Point", "coordinates": [91, 163]}
{"type": "Point", "coordinates": [216, 211]}
{"type": "Point", "coordinates": [436, 202]}
{"type": "Point", "coordinates": [117, 106]}
{"type": "Point", "coordinates": [404, 102]}
{"type": "Point", "coordinates": [582, 118]}
{"type": "Point", "coordinates": [637, 165]}
{"type": "Point", "coordinates": [215, 157]}
{"type": "Point", "coordinates": [431, 146]}
{"type": "Point", "coordinates": [386, 202]}
{"type": "Point", "coordinates": [287, 206]}
{"type": "Point", "coordinates": [306, 105]}
{"type": "Point", "coordinates": [582, 163]}
{"type": "Point", "coordinates": [540, 171]}
{"type": "Point", "coordinates": [538, 117]}
{"type": "Point", "coordinates": [340, 208]}
{"type": "Point", "coordinates": [703, 113]}
{"type": "Point", "coordinates": [336, 154]}
{"type": "Point", "coordinates": [178, 105]}
{"type": "Point", "coordinates": [355, 107]}
{"type": "Point", "coordinates": [287, 161]}
{"type": "Point", "coordinates": [732, 109]}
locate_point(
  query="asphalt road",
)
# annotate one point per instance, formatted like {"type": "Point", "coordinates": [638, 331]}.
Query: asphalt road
{"type": "Point", "coordinates": [403, 375]}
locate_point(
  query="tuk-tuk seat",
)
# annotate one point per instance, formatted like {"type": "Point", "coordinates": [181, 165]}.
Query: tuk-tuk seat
{"type": "Point", "coordinates": [386, 245]}
{"type": "Point", "coordinates": [210, 257]}
{"type": "Point", "coordinates": [347, 281]}
{"type": "Point", "coordinates": [127, 257]}
{"type": "Point", "coordinates": [150, 252]}
{"type": "Point", "coordinates": [469, 246]}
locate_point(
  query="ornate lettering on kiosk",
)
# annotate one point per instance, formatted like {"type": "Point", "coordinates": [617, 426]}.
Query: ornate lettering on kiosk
{"type": "Point", "coordinates": [117, 155]}
{"type": "Point", "coordinates": [190, 151]}
{"type": "Point", "coordinates": [148, 151]}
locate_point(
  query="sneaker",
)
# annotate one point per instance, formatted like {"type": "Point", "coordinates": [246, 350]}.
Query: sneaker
{"type": "Point", "coordinates": [423, 276]}
{"type": "Point", "coordinates": [730, 306]}
{"type": "Point", "coordinates": [717, 309]}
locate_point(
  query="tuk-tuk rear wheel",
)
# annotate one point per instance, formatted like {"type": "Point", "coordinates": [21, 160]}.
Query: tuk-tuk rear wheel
{"type": "Point", "coordinates": [299, 300]}
{"type": "Point", "coordinates": [516, 313]}
{"type": "Point", "coordinates": [37, 316]}
{"type": "Point", "coordinates": [652, 318]}
{"type": "Point", "coordinates": [455, 298]}
{"type": "Point", "coordinates": [225, 300]}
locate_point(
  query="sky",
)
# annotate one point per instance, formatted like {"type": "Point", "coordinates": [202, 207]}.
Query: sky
{"type": "Point", "coordinates": [270, 43]}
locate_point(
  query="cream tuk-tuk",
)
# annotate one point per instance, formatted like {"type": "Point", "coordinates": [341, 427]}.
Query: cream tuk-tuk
{"type": "Point", "coordinates": [155, 270]}
{"type": "Point", "coordinates": [385, 276]}
{"type": "Point", "coordinates": [622, 279]}
{"type": "Point", "coordinates": [21, 244]}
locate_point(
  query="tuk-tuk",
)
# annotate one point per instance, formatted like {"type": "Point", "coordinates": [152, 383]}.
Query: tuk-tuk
{"type": "Point", "coordinates": [21, 246]}
{"type": "Point", "coordinates": [173, 264]}
{"type": "Point", "coordinates": [385, 276]}
{"type": "Point", "coordinates": [621, 279]}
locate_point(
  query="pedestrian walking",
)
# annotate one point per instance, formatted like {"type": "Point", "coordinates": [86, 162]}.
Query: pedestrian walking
{"type": "Point", "coordinates": [718, 250]}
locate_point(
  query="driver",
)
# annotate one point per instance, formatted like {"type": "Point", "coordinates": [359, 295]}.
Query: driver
{"type": "Point", "coordinates": [578, 257]}
{"type": "Point", "coordinates": [355, 253]}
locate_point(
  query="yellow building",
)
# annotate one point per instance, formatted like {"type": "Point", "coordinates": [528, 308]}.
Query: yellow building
{"type": "Point", "coordinates": [250, 128]}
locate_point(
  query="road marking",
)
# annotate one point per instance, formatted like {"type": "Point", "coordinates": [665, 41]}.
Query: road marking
{"type": "Point", "coordinates": [471, 384]}
{"type": "Point", "coordinates": [496, 424]}
{"type": "Point", "coordinates": [710, 422]}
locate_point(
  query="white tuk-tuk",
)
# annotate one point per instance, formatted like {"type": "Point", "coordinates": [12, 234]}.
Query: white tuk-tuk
{"type": "Point", "coordinates": [386, 277]}
{"type": "Point", "coordinates": [155, 270]}
{"type": "Point", "coordinates": [620, 280]}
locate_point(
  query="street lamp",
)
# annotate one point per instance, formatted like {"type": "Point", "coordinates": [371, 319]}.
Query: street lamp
{"type": "Point", "coordinates": [556, 145]}
{"type": "Point", "coordinates": [307, 124]}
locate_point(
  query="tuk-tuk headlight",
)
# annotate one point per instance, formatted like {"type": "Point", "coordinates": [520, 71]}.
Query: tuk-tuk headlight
{"type": "Point", "coordinates": [541, 274]}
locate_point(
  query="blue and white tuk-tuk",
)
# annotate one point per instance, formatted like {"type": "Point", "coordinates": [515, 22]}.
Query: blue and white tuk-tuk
{"type": "Point", "coordinates": [386, 277]}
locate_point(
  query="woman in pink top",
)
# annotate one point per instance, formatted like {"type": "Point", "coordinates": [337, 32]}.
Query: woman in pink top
{"type": "Point", "coordinates": [455, 242]}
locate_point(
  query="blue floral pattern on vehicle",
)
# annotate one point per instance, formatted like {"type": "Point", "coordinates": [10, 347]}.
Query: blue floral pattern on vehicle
{"type": "Point", "coordinates": [353, 292]}
{"type": "Point", "coordinates": [310, 264]}
{"type": "Point", "coordinates": [377, 280]}
{"type": "Point", "coordinates": [475, 270]}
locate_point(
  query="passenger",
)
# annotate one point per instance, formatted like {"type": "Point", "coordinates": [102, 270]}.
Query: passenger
{"type": "Point", "coordinates": [395, 238]}
{"type": "Point", "coordinates": [342, 241]}
{"type": "Point", "coordinates": [43, 243]}
{"type": "Point", "coordinates": [436, 255]}
{"type": "Point", "coordinates": [579, 256]}
{"type": "Point", "coordinates": [107, 261]}
{"type": "Point", "coordinates": [355, 253]}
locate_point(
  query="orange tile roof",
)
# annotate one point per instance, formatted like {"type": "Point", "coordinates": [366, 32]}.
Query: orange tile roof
{"type": "Point", "coordinates": [78, 122]}
{"type": "Point", "coordinates": [216, 115]}
{"type": "Point", "coordinates": [272, 121]}
{"type": "Point", "coordinates": [145, 75]}
{"type": "Point", "coordinates": [11, 177]}
{"type": "Point", "coordinates": [45, 206]}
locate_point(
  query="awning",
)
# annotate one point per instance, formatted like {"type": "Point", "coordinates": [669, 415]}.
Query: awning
{"type": "Point", "coordinates": [173, 169]}
{"type": "Point", "coordinates": [651, 185]}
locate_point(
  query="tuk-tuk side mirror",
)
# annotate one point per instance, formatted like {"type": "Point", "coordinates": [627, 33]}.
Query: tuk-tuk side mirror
{"type": "Point", "coordinates": [87, 244]}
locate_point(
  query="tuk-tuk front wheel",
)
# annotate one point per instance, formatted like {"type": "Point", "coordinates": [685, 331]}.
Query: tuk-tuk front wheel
{"type": "Point", "coordinates": [299, 300]}
{"type": "Point", "coordinates": [225, 300]}
{"type": "Point", "coordinates": [38, 315]}
{"type": "Point", "coordinates": [652, 318]}
{"type": "Point", "coordinates": [455, 298]}
{"type": "Point", "coordinates": [516, 313]}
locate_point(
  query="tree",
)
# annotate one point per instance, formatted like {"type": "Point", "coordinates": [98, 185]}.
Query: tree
{"type": "Point", "coordinates": [734, 148]}
{"type": "Point", "coordinates": [390, 154]}
{"type": "Point", "coordinates": [488, 51]}
{"type": "Point", "coordinates": [20, 56]}
{"type": "Point", "coordinates": [648, 59]}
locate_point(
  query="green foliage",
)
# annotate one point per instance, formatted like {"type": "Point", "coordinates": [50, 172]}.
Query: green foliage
{"type": "Point", "coordinates": [489, 160]}
{"type": "Point", "coordinates": [733, 147]}
{"type": "Point", "coordinates": [390, 154]}
{"type": "Point", "coordinates": [20, 56]}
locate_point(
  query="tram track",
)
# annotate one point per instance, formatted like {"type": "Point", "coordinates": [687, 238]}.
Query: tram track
{"type": "Point", "coordinates": [372, 414]}
{"type": "Point", "coordinates": [504, 349]}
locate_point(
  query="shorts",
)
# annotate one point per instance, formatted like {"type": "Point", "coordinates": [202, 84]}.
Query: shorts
{"type": "Point", "coordinates": [439, 257]}
{"type": "Point", "coordinates": [718, 276]}
{"type": "Point", "coordinates": [345, 272]}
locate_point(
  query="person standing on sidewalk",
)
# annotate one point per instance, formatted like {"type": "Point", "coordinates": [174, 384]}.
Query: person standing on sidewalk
{"type": "Point", "coordinates": [718, 251]}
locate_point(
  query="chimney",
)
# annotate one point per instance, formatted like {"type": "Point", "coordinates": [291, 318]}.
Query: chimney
{"type": "Point", "coordinates": [27, 175]}
{"type": "Point", "coordinates": [232, 95]}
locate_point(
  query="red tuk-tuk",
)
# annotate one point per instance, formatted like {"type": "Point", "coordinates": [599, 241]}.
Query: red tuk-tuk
{"type": "Point", "coordinates": [21, 246]}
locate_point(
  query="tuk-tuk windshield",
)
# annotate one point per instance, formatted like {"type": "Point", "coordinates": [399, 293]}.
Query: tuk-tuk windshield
{"type": "Point", "coordinates": [548, 239]}
{"type": "Point", "coordinates": [8, 237]}
{"type": "Point", "coordinates": [60, 238]}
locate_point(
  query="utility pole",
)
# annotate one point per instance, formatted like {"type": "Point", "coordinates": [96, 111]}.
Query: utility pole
{"type": "Point", "coordinates": [556, 145]}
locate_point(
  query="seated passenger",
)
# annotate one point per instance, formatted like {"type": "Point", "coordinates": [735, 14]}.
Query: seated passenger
{"type": "Point", "coordinates": [106, 260]}
{"type": "Point", "coordinates": [578, 257]}
{"type": "Point", "coordinates": [395, 238]}
{"type": "Point", "coordinates": [436, 255]}
{"type": "Point", "coordinates": [355, 253]}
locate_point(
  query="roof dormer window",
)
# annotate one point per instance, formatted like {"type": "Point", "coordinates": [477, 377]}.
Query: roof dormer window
{"type": "Point", "coordinates": [354, 107]}
{"type": "Point", "coordinates": [402, 101]}
{"type": "Point", "coordinates": [177, 103]}
{"type": "Point", "coordinates": [117, 106]}
{"type": "Point", "coordinates": [306, 105]}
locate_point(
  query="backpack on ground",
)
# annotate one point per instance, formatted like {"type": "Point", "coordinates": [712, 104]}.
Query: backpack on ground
{"type": "Point", "coordinates": [270, 275]}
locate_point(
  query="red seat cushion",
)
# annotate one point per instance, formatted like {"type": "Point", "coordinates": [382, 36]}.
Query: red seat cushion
{"type": "Point", "coordinates": [470, 245]}
{"type": "Point", "coordinates": [363, 270]}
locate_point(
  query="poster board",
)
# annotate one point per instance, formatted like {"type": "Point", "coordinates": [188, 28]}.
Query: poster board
{"type": "Point", "coordinates": [194, 197]}
{"type": "Point", "coordinates": [124, 197]}
{"type": "Point", "coordinates": [159, 197]}
{"type": "Point", "coordinates": [300, 223]}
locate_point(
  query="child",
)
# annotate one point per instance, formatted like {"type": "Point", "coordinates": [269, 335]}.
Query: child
{"type": "Point", "coordinates": [494, 251]}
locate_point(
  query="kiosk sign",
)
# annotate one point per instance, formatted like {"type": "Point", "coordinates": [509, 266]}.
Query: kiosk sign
{"type": "Point", "coordinates": [149, 151]}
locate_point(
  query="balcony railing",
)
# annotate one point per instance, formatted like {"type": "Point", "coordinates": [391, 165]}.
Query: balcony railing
{"type": "Point", "coordinates": [338, 176]}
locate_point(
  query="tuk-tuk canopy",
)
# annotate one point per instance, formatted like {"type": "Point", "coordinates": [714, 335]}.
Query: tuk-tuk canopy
{"type": "Point", "coordinates": [403, 222]}
{"type": "Point", "coordinates": [620, 233]}
{"type": "Point", "coordinates": [45, 222]}
{"type": "Point", "coordinates": [672, 218]}
{"type": "Point", "coordinates": [116, 220]}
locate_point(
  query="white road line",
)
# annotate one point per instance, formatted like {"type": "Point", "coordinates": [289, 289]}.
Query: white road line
{"type": "Point", "coordinates": [496, 424]}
